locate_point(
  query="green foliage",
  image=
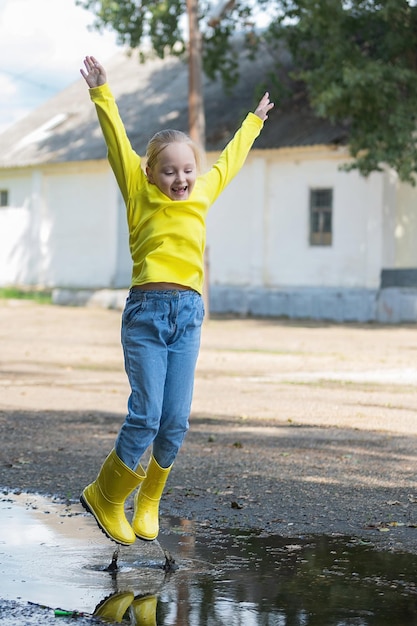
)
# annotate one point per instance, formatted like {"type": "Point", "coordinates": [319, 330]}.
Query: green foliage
{"type": "Point", "coordinates": [219, 45]}
{"type": "Point", "coordinates": [356, 60]}
{"type": "Point", "coordinates": [11, 293]}
{"type": "Point", "coordinates": [161, 25]}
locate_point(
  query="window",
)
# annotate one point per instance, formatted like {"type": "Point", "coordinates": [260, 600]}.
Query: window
{"type": "Point", "coordinates": [321, 207]}
{"type": "Point", "coordinates": [4, 197]}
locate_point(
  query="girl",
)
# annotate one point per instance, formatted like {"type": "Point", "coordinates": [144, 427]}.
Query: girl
{"type": "Point", "coordinates": [166, 210]}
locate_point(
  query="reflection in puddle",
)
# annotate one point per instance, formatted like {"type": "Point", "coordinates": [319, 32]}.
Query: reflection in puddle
{"type": "Point", "coordinates": [54, 555]}
{"type": "Point", "coordinates": [276, 581]}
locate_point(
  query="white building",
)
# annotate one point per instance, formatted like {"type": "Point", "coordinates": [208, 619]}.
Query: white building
{"type": "Point", "coordinates": [292, 235]}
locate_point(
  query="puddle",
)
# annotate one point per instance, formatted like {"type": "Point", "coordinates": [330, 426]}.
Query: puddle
{"type": "Point", "coordinates": [54, 556]}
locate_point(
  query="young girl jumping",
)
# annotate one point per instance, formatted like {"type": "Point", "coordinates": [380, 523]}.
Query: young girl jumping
{"type": "Point", "coordinates": [166, 205]}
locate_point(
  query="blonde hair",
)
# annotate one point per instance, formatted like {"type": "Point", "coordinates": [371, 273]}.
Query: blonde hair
{"type": "Point", "coordinates": [163, 138]}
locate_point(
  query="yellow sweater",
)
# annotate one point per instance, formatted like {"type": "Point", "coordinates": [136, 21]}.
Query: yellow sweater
{"type": "Point", "coordinates": [167, 237]}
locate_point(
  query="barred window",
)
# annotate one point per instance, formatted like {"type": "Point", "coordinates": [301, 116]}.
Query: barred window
{"type": "Point", "coordinates": [321, 209]}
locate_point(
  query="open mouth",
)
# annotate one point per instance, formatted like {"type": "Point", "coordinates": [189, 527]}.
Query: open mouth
{"type": "Point", "coordinates": [180, 191]}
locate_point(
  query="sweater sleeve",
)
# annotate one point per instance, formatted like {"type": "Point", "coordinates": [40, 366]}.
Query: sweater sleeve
{"type": "Point", "coordinates": [233, 156]}
{"type": "Point", "coordinates": [124, 161]}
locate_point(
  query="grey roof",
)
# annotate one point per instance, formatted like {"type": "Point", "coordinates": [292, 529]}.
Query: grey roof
{"type": "Point", "coordinates": [152, 96]}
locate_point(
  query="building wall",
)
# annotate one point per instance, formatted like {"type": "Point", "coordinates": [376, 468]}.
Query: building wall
{"type": "Point", "coordinates": [65, 228]}
{"type": "Point", "coordinates": [261, 262]}
{"type": "Point", "coordinates": [406, 227]}
{"type": "Point", "coordinates": [61, 228]}
{"type": "Point", "coordinates": [17, 230]}
{"type": "Point", "coordinates": [258, 230]}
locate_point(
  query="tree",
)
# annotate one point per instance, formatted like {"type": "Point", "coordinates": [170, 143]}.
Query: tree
{"type": "Point", "coordinates": [356, 60]}
{"type": "Point", "coordinates": [162, 25]}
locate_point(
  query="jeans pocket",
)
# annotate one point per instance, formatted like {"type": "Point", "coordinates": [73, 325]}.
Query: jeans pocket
{"type": "Point", "coordinates": [199, 311]}
{"type": "Point", "coordinates": [132, 310]}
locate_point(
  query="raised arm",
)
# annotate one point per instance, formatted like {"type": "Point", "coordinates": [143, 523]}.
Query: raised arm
{"type": "Point", "coordinates": [124, 161]}
{"type": "Point", "coordinates": [234, 155]}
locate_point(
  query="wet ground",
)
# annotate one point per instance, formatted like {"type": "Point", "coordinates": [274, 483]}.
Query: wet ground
{"type": "Point", "coordinates": [57, 566]}
{"type": "Point", "coordinates": [293, 501]}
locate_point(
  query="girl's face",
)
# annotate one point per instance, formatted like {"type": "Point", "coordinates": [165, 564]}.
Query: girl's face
{"type": "Point", "coordinates": [175, 171]}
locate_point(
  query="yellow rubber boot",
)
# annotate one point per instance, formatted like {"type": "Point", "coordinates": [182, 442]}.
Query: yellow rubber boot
{"type": "Point", "coordinates": [114, 607]}
{"type": "Point", "coordinates": [106, 496]}
{"type": "Point", "coordinates": [144, 611]}
{"type": "Point", "coordinates": [145, 521]}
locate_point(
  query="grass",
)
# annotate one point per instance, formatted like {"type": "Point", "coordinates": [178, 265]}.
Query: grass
{"type": "Point", "coordinates": [12, 293]}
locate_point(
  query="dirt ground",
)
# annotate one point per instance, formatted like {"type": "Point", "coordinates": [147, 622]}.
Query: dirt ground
{"type": "Point", "coordinates": [296, 428]}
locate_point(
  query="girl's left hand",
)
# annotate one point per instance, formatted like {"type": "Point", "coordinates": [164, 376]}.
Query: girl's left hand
{"type": "Point", "coordinates": [264, 106]}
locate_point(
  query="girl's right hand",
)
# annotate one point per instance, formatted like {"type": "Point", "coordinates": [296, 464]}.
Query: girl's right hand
{"type": "Point", "coordinates": [95, 76]}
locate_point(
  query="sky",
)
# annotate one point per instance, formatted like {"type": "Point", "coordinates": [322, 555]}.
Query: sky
{"type": "Point", "coordinates": [42, 46]}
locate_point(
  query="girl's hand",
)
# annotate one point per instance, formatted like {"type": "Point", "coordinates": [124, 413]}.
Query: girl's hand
{"type": "Point", "coordinates": [264, 106]}
{"type": "Point", "coordinates": [95, 76]}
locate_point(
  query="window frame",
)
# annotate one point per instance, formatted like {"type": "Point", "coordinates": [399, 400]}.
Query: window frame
{"type": "Point", "coordinates": [4, 198]}
{"type": "Point", "coordinates": [321, 216]}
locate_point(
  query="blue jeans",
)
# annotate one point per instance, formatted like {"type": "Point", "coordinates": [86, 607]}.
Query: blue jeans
{"type": "Point", "coordinates": [161, 341]}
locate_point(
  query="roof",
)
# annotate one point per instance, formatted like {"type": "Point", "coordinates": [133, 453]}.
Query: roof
{"type": "Point", "coordinates": [151, 96]}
